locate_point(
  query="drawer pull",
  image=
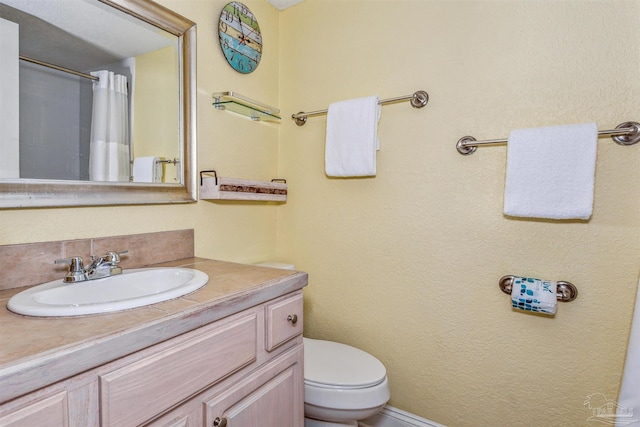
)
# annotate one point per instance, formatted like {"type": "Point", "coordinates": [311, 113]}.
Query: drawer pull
{"type": "Point", "coordinates": [220, 422]}
{"type": "Point", "coordinates": [293, 318]}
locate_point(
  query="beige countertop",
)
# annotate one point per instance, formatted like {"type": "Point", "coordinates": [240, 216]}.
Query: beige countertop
{"type": "Point", "coordinates": [37, 351]}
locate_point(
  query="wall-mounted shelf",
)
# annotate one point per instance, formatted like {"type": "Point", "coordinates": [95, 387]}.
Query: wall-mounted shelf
{"type": "Point", "coordinates": [219, 188]}
{"type": "Point", "coordinates": [236, 103]}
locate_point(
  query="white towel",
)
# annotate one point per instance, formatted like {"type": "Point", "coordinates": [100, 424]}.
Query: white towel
{"type": "Point", "coordinates": [551, 172]}
{"type": "Point", "coordinates": [147, 169]}
{"type": "Point", "coordinates": [352, 137]}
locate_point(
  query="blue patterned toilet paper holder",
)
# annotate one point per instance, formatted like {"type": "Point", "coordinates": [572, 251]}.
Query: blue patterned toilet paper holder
{"type": "Point", "coordinates": [565, 291]}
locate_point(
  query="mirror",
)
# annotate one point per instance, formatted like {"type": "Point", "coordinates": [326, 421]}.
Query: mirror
{"type": "Point", "coordinates": [56, 146]}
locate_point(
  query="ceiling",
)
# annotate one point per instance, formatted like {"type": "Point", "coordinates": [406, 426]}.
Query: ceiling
{"type": "Point", "coordinates": [283, 4]}
{"type": "Point", "coordinates": [80, 34]}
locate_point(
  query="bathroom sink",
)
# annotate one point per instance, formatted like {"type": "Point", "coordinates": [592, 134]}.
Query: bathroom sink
{"type": "Point", "coordinates": [133, 288]}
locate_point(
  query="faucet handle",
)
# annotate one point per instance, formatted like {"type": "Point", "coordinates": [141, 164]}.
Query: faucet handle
{"type": "Point", "coordinates": [112, 259]}
{"type": "Point", "coordinates": [75, 263]}
{"type": "Point", "coordinates": [113, 256]}
{"type": "Point", "coordinates": [110, 256]}
{"type": "Point", "coordinates": [76, 269]}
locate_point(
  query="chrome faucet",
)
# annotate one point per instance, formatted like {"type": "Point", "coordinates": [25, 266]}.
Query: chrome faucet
{"type": "Point", "coordinates": [102, 266]}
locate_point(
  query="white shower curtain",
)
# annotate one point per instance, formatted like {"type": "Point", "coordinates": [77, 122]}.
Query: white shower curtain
{"type": "Point", "coordinates": [9, 101]}
{"type": "Point", "coordinates": [628, 409]}
{"type": "Point", "coordinates": [109, 149]}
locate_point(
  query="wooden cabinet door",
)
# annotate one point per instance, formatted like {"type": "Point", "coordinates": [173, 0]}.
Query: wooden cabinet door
{"type": "Point", "coordinates": [179, 418]}
{"type": "Point", "coordinates": [48, 412]}
{"type": "Point", "coordinates": [273, 396]}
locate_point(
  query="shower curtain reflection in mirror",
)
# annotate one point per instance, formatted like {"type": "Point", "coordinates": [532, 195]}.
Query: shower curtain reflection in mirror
{"type": "Point", "coordinates": [109, 152]}
{"type": "Point", "coordinates": [9, 95]}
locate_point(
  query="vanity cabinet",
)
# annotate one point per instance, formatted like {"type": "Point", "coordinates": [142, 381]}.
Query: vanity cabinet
{"type": "Point", "coordinates": [47, 412]}
{"type": "Point", "coordinates": [244, 370]}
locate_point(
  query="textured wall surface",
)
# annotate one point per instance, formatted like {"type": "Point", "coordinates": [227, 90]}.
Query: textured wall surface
{"type": "Point", "coordinates": [406, 265]}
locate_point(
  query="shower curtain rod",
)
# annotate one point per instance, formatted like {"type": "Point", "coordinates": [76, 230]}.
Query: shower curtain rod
{"type": "Point", "coordinates": [57, 67]}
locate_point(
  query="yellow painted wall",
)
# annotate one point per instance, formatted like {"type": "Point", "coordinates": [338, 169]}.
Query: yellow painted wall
{"type": "Point", "coordinates": [235, 146]}
{"type": "Point", "coordinates": [156, 113]}
{"type": "Point", "coordinates": [406, 265]}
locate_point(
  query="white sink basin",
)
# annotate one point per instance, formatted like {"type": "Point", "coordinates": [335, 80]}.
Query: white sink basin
{"type": "Point", "coordinates": [133, 288]}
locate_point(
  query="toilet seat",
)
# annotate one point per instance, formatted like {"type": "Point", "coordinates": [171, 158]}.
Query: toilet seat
{"type": "Point", "coordinates": [346, 399]}
{"type": "Point", "coordinates": [342, 384]}
{"type": "Point", "coordinates": [329, 364]}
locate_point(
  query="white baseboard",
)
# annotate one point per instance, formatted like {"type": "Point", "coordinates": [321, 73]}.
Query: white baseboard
{"type": "Point", "coordinates": [394, 417]}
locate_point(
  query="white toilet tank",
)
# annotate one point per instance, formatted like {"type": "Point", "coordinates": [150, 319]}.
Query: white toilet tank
{"type": "Point", "coordinates": [280, 265]}
{"type": "Point", "coordinates": [342, 384]}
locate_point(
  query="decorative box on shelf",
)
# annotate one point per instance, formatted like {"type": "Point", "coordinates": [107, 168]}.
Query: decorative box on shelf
{"type": "Point", "coordinates": [219, 188]}
{"type": "Point", "coordinates": [236, 103]}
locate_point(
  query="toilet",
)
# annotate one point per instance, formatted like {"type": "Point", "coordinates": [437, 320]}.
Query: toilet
{"type": "Point", "coordinates": [342, 384]}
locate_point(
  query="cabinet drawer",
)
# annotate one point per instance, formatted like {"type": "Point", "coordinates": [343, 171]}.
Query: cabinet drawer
{"type": "Point", "coordinates": [283, 320]}
{"type": "Point", "coordinates": [148, 387]}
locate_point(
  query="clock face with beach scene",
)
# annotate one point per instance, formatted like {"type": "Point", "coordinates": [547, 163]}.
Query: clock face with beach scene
{"type": "Point", "coordinates": [240, 37]}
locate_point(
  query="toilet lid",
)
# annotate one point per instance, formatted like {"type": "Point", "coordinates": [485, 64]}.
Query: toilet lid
{"type": "Point", "coordinates": [329, 363]}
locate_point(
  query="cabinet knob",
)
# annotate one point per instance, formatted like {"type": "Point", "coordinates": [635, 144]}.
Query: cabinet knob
{"type": "Point", "coordinates": [293, 318]}
{"type": "Point", "coordinates": [220, 422]}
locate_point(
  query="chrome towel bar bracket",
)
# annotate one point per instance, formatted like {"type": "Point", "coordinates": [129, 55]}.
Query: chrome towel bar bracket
{"type": "Point", "coordinates": [418, 100]}
{"type": "Point", "coordinates": [565, 291]}
{"type": "Point", "coordinates": [173, 162]}
{"type": "Point", "coordinates": [627, 133]}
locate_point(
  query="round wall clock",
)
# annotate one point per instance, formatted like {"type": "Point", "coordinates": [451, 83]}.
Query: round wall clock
{"type": "Point", "coordinates": [240, 37]}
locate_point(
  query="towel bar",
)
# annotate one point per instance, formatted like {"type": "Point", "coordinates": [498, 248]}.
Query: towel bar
{"type": "Point", "coordinates": [418, 100]}
{"type": "Point", "coordinates": [173, 162]}
{"type": "Point", "coordinates": [565, 291]}
{"type": "Point", "coordinates": [627, 133]}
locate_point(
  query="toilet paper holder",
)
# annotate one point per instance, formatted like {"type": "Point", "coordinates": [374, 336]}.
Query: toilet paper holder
{"type": "Point", "coordinates": [565, 291]}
